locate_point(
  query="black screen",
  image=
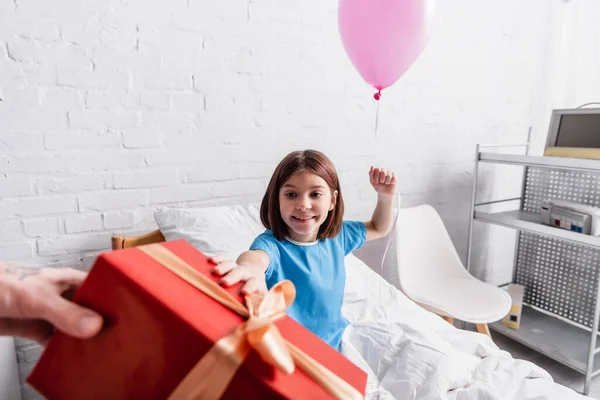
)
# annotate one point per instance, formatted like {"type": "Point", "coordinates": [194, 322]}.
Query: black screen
{"type": "Point", "coordinates": [582, 130]}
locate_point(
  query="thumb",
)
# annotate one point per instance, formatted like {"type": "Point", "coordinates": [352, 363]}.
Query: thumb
{"type": "Point", "coordinates": [70, 318]}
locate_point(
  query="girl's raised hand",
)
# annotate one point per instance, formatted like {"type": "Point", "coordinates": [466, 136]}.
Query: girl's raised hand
{"type": "Point", "coordinates": [383, 181]}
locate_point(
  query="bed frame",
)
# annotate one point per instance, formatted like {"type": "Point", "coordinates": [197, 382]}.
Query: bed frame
{"type": "Point", "coordinates": [121, 242]}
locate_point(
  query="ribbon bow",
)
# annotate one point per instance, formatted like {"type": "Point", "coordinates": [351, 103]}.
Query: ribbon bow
{"type": "Point", "coordinates": [210, 377]}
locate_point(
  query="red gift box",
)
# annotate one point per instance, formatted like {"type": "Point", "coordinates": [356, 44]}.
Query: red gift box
{"type": "Point", "coordinates": [158, 327]}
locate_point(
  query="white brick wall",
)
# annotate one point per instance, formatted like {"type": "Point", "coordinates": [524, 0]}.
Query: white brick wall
{"type": "Point", "coordinates": [112, 109]}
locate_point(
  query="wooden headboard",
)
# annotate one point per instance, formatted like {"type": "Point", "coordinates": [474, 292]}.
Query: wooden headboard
{"type": "Point", "coordinates": [121, 242]}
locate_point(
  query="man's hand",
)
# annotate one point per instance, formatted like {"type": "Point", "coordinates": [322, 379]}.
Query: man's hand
{"type": "Point", "coordinates": [32, 304]}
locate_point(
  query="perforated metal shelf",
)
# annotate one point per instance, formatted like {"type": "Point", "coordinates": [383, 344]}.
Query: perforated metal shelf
{"type": "Point", "coordinates": [575, 164]}
{"type": "Point", "coordinates": [559, 269]}
{"type": "Point", "coordinates": [552, 337]}
{"type": "Point", "coordinates": [530, 222]}
{"type": "Point", "coordinates": [560, 276]}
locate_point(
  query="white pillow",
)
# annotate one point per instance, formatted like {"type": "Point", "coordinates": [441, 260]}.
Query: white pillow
{"type": "Point", "coordinates": [231, 230]}
{"type": "Point", "coordinates": [227, 230]}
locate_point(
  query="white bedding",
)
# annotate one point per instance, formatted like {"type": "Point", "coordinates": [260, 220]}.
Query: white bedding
{"type": "Point", "coordinates": [426, 356]}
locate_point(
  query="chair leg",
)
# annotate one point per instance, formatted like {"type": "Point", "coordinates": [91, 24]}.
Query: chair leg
{"type": "Point", "coordinates": [448, 319]}
{"type": "Point", "coordinates": [483, 328]}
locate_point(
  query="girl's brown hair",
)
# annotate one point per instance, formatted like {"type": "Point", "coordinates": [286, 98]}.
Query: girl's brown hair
{"type": "Point", "coordinates": [305, 160]}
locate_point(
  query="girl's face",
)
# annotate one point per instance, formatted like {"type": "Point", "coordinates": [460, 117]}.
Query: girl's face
{"type": "Point", "coordinates": [305, 201]}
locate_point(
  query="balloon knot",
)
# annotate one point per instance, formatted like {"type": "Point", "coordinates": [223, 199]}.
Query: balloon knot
{"type": "Point", "coordinates": [377, 95]}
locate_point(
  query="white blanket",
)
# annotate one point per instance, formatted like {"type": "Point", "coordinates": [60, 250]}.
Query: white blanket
{"type": "Point", "coordinates": [410, 353]}
{"type": "Point", "coordinates": [422, 352]}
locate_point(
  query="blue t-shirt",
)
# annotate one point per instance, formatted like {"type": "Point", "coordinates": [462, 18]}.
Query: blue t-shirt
{"type": "Point", "coordinates": [318, 271]}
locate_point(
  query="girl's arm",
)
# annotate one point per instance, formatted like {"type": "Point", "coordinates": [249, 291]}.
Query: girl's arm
{"type": "Point", "coordinates": [250, 267]}
{"type": "Point", "coordinates": [384, 183]}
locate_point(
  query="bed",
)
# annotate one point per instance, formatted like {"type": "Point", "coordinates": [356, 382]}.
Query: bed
{"type": "Point", "coordinates": [408, 352]}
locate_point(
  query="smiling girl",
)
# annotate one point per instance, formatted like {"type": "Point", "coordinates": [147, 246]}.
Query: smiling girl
{"type": "Point", "coordinates": [306, 240]}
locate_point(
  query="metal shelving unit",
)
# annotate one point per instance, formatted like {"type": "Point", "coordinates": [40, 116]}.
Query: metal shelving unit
{"type": "Point", "coordinates": [527, 221]}
{"type": "Point", "coordinates": [560, 269]}
{"type": "Point", "coordinates": [554, 338]}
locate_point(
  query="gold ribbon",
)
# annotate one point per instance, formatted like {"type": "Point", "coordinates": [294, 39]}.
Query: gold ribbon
{"type": "Point", "coordinates": [211, 376]}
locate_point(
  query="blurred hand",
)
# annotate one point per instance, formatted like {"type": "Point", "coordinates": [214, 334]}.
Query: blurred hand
{"type": "Point", "coordinates": [34, 302]}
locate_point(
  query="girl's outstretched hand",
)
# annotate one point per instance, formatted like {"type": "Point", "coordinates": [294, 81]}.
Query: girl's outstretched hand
{"type": "Point", "coordinates": [383, 181]}
{"type": "Point", "coordinates": [233, 273]}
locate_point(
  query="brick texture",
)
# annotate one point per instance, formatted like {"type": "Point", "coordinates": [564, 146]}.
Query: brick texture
{"type": "Point", "coordinates": [110, 109]}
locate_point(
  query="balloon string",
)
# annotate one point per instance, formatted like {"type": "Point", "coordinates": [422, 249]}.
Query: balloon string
{"type": "Point", "coordinates": [377, 120]}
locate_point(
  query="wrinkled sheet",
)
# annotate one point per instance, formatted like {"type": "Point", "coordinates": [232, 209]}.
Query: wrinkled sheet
{"type": "Point", "coordinates": [410, 353]}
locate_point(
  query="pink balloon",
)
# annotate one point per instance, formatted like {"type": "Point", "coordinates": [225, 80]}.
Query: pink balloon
{"type": "Point", "coordinates": [383, 38]}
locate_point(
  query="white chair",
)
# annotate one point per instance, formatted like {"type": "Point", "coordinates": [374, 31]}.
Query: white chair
{"type": "Point", "coordinates": [431, 273]}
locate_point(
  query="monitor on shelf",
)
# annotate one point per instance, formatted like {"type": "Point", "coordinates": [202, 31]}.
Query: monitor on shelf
{"type": "Point", "coordinates": [574, 133]}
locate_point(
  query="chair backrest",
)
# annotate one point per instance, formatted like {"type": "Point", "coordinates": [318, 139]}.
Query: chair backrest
{"type": "Point", "coordinates": [424, 249]}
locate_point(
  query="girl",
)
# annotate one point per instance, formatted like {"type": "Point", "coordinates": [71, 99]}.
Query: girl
{"type": "Point", "coordinates": [306, 240]}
